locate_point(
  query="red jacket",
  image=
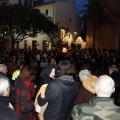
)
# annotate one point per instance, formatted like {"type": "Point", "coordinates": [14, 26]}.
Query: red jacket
{"type": "Point", "coordinates": [24, 105]}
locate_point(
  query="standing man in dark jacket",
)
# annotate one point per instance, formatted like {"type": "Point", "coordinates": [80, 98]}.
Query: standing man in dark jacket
{"type": "Point", "coordinates": [115, 75]}
{"type": "Point", "coordinates": [6, 109]}
{"type": "Point", "coordinates": [59, 94]}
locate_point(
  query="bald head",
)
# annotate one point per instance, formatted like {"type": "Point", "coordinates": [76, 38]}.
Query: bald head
{"type": "Point", "coordinates": [105, 86]}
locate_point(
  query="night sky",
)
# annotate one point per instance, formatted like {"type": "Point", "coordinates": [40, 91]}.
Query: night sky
{"type": "Point", "coordinates": [79, 3]}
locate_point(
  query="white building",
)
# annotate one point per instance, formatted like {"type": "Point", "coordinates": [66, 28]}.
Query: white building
{"type": "Point", "coordinates": [23, 2]}
{"type": "Point", "coordinates": [65, 16]}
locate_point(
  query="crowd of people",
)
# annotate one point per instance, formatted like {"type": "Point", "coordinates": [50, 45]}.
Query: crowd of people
{"type": "Point", "coordinates": [51, 85]}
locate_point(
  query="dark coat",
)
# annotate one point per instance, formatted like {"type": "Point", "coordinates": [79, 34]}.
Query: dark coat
{"type": "Point", "coordinates": [116, 95]}
{"type": "Point", "coordinates": [116, 77]}
{"type": "Point", "coordinates": [24, 105]}
{"type": "Point", "coordinates": [6, 113]}
{"type": "Point", "coordinates": [59, 94]}
{"type": "Point", "coordinates": [83, 96]}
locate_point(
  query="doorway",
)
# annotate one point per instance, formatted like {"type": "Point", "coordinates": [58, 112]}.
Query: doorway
{"type": "Point", "coordinates": [34, 44]}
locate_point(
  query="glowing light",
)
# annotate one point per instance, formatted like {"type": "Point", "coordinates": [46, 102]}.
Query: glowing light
{"type": "Point", "coordinates": [64, 50]}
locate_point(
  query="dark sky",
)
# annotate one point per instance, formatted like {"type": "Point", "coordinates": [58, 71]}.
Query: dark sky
{"type": "Point", "coordinates": [79, 3]}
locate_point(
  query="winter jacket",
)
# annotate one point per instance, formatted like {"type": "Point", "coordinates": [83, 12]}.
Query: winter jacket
{"type": "Point", "coordinates": [6, 113]}
{"type": "Point", "coordinates": [24, 105]}
{"type": "Point", "coordinates": [100, 108]}
{"type": "Point", "coordinates": [59, 94]}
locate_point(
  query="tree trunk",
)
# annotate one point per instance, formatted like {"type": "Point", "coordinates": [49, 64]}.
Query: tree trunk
{"type": "Point", "coordinates": [12, 44]}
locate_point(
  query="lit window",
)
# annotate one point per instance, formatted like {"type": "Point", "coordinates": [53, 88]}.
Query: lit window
{"type": "Point", "coordinates": [62, 33]}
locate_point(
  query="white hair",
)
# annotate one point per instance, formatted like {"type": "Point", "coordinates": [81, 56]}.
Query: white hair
{"type": "Point", "coordinates": [84, 74]}
{"type": "Point", "coordinates": [2, 67]}
{"type": "Point", "coordinates": [4, 84]}
{"type": "Point", "coordinates": [105, 86]}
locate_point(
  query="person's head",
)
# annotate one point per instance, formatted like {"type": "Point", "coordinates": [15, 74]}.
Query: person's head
{"type": "Point", "coordinates": [88, 80]}
{"type": "Point", "coordinates": [49, 70]}
{"type": "Point", "coordinates": [112, 69]}
{"type": "Point", "coordinates": [64, 67]}
{"type": "Point", "coordinates": [4, 86]}
{"type": "Point", "coordinates": [52, 61]}
{"type": "Point", "coordinates": [28, 73]}
{"type": "Point", "coordinates": [22, 65]}
{"type": "Point", "coordinates": [83, 74]}
{"type": "Point", "coordinates": [3, 69]}
{"type": "Point", "coordinates": [105, 86]}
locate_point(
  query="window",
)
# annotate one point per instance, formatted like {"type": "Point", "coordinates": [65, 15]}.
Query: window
{"type": "Point", "coordinates": [46, 12]}
{"type": "Point", "coordinates": [62, 33]}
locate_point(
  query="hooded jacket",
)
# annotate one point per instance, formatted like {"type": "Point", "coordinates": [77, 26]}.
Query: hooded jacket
{"type": "Point", "coordinates": [59, 94]}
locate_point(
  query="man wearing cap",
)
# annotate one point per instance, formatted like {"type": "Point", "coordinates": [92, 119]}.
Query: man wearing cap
{"type": "Point", "coordinates": [59, 94]}
{"type": "Point", "coordinates": [101, 107]}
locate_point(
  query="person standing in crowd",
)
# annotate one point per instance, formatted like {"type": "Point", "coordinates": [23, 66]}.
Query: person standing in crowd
{"type": "Point", "coordinates": [87, 88]}
{"type": "Point", "coordinates": [115, 74]}
{"type": "Point", "coordinates": [44, 60]}
{"type": "Point", "coordinates": [47, 75]}
{"type": "Point", "coordinates": [6, 110]}
{"type": "Point", "coordinates": [24, 94]}
{"type": "Point", "coordinates": [101, 107]}
{"type": "Point", "coordinates": [59, 94]}
{"type": "Point", "coordinates": [16, 73]}
{"type": "Point", "coordinates": [3, 69]}
{"type": "Point", "coordinates": [38, 58]}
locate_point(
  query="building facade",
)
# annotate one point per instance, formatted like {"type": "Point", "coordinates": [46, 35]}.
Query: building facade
{"type": "Point", "coordinates": [107, 35]}
{"type": "Point", "coordinates": [23, 2]}
{"type": "Point", "coordinates": [63, 13]}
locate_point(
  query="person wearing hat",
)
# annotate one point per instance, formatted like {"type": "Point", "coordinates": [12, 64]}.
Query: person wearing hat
{"type": "Point", "coordinates": [87, 88]}
{"type": "Point", "coordinates": [101, 107]}
{"type": "Point", "coordinates": [47, 75]}
{"type": "Point", "coordinates": [59, 94]}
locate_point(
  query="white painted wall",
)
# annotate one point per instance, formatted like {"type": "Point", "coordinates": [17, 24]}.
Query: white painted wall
{"type": "Point", "coordinates": [61, 12]}
{"type": "Point", "coordinates": [39, 40]}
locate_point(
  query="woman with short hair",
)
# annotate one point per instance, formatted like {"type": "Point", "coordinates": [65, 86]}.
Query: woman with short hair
{"type": "Point", "coordinates": [24, 93]}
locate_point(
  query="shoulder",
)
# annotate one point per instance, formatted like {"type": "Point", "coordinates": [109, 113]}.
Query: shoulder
{"type": "Point", "coordinates": [53, 87]}
{"type": "Point", "coordinates": [81, 111]}
{"type": "Point", "coordinates": [99, 110]}
{"type": "Point", "coordinates": [7, 113]}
